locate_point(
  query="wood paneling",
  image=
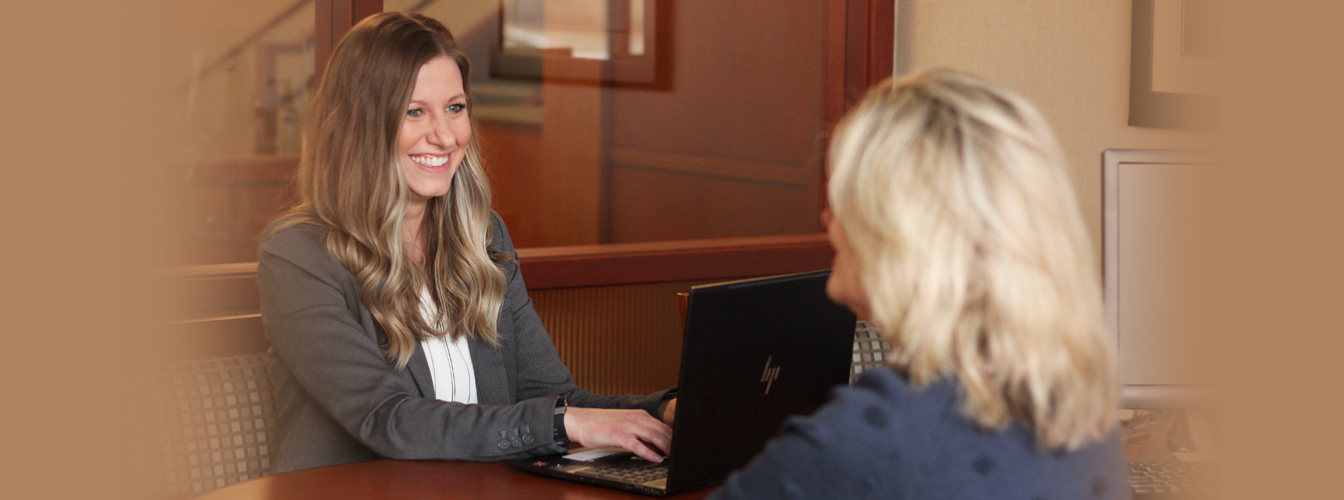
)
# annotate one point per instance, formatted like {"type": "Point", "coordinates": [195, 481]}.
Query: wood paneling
{"type": "Point", "coordinates": [713, 166]}
{"type": "Point", "coordinates": [572, 179]}
{"type": "Point", "coordinates": [617, 339]}
{"type": "Point", "coordinates": [211, 311]}
{"type": "Point", "coordinates": [879, 44]}
{"type": "Point", "coordinates": [869, 32]}
{"type": "Point", "coordinates": [210, 297]}
{"type": "Point", "coordinates": [512, 153]}
{"type": "Point", "coordinates": [734, 148]}
{"type": "Point", "coordinates": [748, 85]}
{"type": "Point", "coordinates": [651, 205]}
{"type": "Point", "coordinates": [836, 50]}
{"type": "Point", "coordinates": [211, 337]}
{"type": "Point", "coordinates": [626, 263]}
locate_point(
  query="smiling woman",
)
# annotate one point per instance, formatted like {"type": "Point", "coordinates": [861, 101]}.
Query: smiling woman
{"type": "Point", "coordinates": [391, 294]}
{"type": "Point", "coordinates": [436, 131]}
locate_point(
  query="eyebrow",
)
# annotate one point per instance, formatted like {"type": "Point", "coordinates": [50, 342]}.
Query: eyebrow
{"type": "Point", "coordinates": [453, 98]}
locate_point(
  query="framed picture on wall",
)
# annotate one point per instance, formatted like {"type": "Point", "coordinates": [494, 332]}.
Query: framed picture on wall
{"type": "Point", "coordinates": [1173, 64]}
{"type": "Point", "coordinates": [586, 40]}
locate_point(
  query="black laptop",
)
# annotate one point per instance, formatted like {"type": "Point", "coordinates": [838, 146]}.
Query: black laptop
{"type": "Point", "coordinates": [755, 352]}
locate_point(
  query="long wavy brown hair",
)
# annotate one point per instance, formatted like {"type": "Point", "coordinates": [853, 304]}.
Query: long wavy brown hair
{"type": "Point", "coordinates": [350, 181]}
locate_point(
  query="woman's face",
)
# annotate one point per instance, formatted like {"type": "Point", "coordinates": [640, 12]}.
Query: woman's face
{"type": "Point", "coordinates": [435, 130]}
{"type": "Point", "coordinates": [843, 286]}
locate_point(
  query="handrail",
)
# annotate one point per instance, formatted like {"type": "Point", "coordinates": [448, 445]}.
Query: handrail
{"type": "Point", "coordinates": [420, 6]}
{"type": "Point", "coordinates": [282, 17]}
{"type": "Point", "coordinates": [249, 40]}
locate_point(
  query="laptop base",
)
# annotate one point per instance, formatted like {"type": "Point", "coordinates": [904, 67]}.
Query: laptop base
{"type": "Point", "coordinates": [619, 469]}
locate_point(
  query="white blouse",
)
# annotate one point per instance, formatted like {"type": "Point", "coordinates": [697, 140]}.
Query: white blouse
{"type": "Point", "coordinates": [449, 360]}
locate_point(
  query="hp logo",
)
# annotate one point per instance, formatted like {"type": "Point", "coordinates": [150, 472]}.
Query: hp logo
{"type": "Point", "coordinates": [770, 374]}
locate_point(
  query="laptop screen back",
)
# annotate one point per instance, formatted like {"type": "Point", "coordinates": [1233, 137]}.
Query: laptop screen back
{"type": "Point", "coordinates": [754, 352]}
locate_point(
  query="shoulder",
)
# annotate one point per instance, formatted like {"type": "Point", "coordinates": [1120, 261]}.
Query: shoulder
{"type": "Point", "coordinates": [876, 416]}
{"type": "Point", "coordinates": [291, 234]}
{"type": "Point", "coordinates": [883, 405]}
{"type": "Point", "coordinates": [894, 393]}
{"type": "Point", "coordinates": [499, 235]}
{"type": "Point", "coordinates": [944, 446]}
{"type": "Point", "coordinates": [292, 243]}
{"type": "Point", "coordinates": [853, 446]}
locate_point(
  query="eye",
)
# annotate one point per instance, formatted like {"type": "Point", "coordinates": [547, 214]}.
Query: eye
{"type": "Point", "coordinates": [457, 108]}
{"type": "Point", "coordinates": [414, 112]}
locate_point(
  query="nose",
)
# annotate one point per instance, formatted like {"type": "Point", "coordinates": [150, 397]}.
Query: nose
{"type": "Point", "coordinates": [441, 131]}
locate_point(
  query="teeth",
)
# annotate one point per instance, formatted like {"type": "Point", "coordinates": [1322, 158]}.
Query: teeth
{"type": "Point", "coordinates": [430, 161]}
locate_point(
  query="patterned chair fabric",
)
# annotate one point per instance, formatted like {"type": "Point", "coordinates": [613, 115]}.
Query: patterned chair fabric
{"type": "Point", "coordinates": [216, 422]}
{"type": "Point", "coordinates": [869, 350]}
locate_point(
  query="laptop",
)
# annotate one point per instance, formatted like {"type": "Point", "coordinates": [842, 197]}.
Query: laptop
{"type": "Point", "coordinates": [754, 352]}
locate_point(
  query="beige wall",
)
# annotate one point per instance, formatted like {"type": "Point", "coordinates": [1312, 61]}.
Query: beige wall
{"type": "Point", "coordinates": [1069, 57]}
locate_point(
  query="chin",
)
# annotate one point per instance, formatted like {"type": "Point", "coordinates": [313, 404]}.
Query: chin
{"type": "Point", "coordinates": [426, 194]}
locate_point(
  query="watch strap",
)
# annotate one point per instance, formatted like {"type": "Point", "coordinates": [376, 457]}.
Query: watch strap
{"type": "Point", "coordinates": [559, 435]}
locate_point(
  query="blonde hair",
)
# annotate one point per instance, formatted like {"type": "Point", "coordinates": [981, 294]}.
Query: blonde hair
{"type": "Point", "coordinates": [350, 181]}
{"type": "Point", "coordinates": [973, 255]}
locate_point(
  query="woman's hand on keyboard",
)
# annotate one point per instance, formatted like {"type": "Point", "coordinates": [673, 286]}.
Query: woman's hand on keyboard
{"type": "Point", "coordinates": [633, 430]}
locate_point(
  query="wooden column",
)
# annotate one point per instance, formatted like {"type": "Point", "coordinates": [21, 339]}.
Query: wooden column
{"type": "Point", "coordinates": [572, 179]}
{"type": "Point", "coordinates": [860, 49]}
{"type": "Point", "coordinates": [572, 187]}
{"type": "Point", "coordinates": [334, 19]}
{"type": "Point", "coordinates": [870, 30]}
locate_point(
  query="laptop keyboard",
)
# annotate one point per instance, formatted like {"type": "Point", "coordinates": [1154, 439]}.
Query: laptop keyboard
{"type": "Point", "coordinates": [631, 471]}
{"type": "Point", "coordinates": [1159, 479]}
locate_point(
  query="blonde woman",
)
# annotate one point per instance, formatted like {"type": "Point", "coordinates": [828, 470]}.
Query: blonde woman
{"type": "Point", "coordinates": [399, 323]}
{"type": "Point", "coordinates": [957, 233]}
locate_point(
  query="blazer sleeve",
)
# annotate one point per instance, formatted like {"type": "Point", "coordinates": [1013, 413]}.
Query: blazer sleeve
{"type": "Point", "coordinates": [311, 312]}
{"type": "Point", "coordinates": [540, 370]}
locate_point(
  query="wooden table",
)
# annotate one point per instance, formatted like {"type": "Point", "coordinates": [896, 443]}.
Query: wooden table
{"type": "Point", "coordinates": [431, 479]}
{"type": "Point", "coordinates": [417, 479]}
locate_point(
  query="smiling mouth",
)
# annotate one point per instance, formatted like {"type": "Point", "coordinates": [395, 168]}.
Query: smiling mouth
{"type": "Point", "coordinates": [430, 160]}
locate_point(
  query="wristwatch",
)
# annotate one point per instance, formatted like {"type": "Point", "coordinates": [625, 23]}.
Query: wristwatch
{"type": "Point", "coordinates": [561, 437]}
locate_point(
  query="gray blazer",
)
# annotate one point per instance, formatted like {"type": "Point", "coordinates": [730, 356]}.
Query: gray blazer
{"type": "Point", "coordinates": [341, 400]}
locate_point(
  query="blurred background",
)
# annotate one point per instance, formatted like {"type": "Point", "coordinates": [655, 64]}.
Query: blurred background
{"type": "Point", "coordinates": [601, 121]}
{"type": "Point", "coordinates": [623, 122]}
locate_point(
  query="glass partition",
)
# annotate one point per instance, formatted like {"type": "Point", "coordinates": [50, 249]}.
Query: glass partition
{"type": "Point", "coordinates": [240, 72]}
{"type": "Point", "coordinates": [615, 121]}
{"type": "Point", "coordinates": [601, 121]}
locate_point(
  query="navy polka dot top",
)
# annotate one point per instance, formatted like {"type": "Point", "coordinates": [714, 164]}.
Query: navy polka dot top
{"type": "Point", "coordinates": [882, 438]}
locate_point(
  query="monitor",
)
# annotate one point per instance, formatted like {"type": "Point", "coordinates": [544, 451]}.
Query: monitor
{"type": "Point", "coordinates": [1159, 252]}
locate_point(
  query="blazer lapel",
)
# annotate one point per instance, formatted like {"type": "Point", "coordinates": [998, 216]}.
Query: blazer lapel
{"type": "Point", "coordinates": [492, 385]}
{"type": "Point", "coordinates": [419, 369]}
